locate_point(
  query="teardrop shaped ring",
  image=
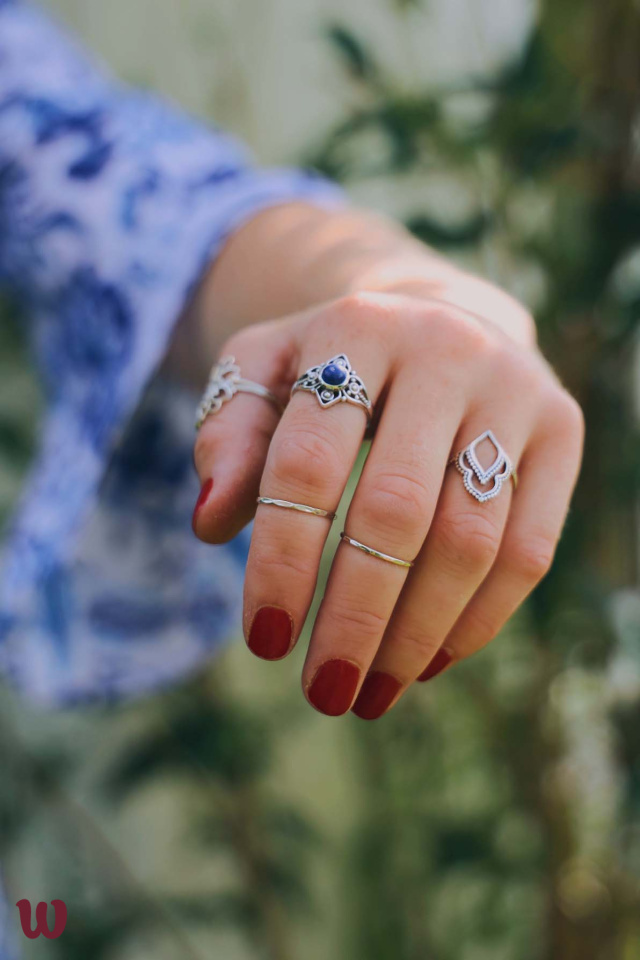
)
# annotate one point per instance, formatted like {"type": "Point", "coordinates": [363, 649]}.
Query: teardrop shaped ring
{"type": "Point", "coordinates": [225, 380]}
{"type": "Point", "coordinates": [500, 471]}
{"type": "Point", "coordinates": [335, 381]}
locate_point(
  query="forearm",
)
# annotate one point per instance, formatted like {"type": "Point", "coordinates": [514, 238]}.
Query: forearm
{"type": "Point", "coordinates": [294, 256]}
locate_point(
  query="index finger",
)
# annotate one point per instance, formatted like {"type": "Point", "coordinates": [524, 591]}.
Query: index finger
{"type": "Point", "coordinates": [310, 458]}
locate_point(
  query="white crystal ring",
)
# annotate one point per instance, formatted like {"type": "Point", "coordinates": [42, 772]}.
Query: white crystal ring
{"type": "Point", "coordinates": [335, 381]}
{"type": "Point", "coordinates": [473, 473]}
{"type": "Point", "coordinates": [225, 381]}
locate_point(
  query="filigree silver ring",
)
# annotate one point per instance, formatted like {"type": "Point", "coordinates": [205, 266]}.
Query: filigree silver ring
{"type": "Point", "coordinates": [335, 381]}
{"type": "Point", "coordinates": [225, 381]}
{"type": "Point", "coordinates": [484, 483]}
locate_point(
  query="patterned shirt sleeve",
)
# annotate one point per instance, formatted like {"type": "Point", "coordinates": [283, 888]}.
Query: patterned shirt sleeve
{"type": "Point", "coordinates": [111, 204]}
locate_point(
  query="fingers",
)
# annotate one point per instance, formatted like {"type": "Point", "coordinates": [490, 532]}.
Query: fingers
{"type": "Point", "coordinates": [231, 445]}
{"type": "Point", "coordinates": [310, 458]}
{"type": "Point", "coordinates": [438, 632]}
{"type": "Point", "coordinates": [549, 473]}
{"type": "Point", "coordinates": [391, 511]}
{"type": "Point", "coordinates": [459, 551]}
{"type": "Point", "coordinates": [444, 381]}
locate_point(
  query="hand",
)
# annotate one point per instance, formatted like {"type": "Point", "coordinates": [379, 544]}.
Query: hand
{"type": "Point", "coordinates": [438, 377]}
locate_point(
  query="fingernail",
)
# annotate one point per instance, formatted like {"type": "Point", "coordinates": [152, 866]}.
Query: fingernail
{"type": "Point", "coordinates": [333, 687]}
{"type": "Point", "coordinates": [376, 693]}
{"type": "Point", "coordinates": [441, 660]}
{"type": "Point", "coordinates": [271, 633]}
{"type": "Point", "coordinates": [202, 499]}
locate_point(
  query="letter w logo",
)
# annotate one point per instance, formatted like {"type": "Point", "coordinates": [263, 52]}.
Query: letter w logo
{"type": "Point", "coordinates": [60, 910]}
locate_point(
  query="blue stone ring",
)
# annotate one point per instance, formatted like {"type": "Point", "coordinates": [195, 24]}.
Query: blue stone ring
{"type": "Point", "coordinates": [335, 382]}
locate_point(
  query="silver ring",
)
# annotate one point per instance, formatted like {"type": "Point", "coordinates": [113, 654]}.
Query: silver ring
{"type": "Point", "coordinates": [225, 381]}
{"type": "Point", "coordinates": [335, 381]}
{"type": "Point", "coordinates": [302, 507]}
{"type": "Point", "coordinates": [376, 553]}
{"type": "Point", "coordinates": [471, 469]}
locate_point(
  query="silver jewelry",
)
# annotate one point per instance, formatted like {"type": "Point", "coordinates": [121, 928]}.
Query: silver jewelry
{"type": "Point", "coordinates": [375, 553]}
{"type": "Point", "coordinates": [335, 381]}
{"type": "Point", "coordinates": [469, 466]}
{"type": "Point", "coordinates": [302, 507]}
{"type": "Point", "coordinates": [225, 381]}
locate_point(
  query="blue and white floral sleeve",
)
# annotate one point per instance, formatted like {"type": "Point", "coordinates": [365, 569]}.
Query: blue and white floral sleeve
{"type": "Point", "coordinates": [111, 204]}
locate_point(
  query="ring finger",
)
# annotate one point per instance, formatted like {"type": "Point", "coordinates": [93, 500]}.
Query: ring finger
{"type": "Point", "coordinates": [457, 555]}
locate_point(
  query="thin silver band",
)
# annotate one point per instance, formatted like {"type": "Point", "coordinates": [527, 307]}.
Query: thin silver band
{"type": "Point", "coordinates": [376, 553]}
{"type": "Point", "coordinates": [250, 386]}
{"type": "Point", "coordinates": [302, 507]}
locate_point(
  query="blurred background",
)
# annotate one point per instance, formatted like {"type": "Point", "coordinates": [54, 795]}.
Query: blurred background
{"type": "Point", "coordinates": [495, 814]}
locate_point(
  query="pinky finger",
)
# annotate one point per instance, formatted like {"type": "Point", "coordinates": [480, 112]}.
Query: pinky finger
{"type": "Point", "coordinates": [548, 474]}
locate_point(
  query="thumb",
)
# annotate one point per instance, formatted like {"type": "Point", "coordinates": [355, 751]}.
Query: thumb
{"type": "Point", "coordinates": [231, 446]}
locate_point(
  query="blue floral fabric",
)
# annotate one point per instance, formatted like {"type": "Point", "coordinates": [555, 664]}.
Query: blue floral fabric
{"type": "Point", "coordinates": [111, 205]}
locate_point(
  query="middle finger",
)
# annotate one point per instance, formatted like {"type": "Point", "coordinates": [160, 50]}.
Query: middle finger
{"type": "Point", "coordinates": [391, 512]}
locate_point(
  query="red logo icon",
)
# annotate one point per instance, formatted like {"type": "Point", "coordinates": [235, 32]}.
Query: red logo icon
{"type": "Point", "coordinates": [42, 927]}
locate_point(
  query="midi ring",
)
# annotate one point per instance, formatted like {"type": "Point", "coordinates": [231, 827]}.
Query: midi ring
{"type": "Point", "coordinates": [469, 466]}
{"type": "Point", "coordinates": [225, 381]}
{"type": "Point", "coordinates": [335, 381]}
{"type": "Point", "coordinates": [302, 507]}
{"type": "Point", "coordinates": [376, 553]}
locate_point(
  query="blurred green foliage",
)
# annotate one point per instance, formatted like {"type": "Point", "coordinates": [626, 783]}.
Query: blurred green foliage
{"type": "Point", "coordinates": [499, 807]}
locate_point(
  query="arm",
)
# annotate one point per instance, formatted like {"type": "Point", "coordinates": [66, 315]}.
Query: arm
{"type": "Point", "coordinates": [112, 206]}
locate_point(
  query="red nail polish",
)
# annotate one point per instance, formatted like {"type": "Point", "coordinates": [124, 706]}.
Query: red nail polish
{"type": "Point", "coordinates": [271, 633]}
{"type": "Point", "coordinates": [441, 660]}
{"type": "Point", "coordinates": [333, 687]}
{"type": "Point", "coordinates": [376, 693]}
{"type": "Point", "coordinates": [202, 499]}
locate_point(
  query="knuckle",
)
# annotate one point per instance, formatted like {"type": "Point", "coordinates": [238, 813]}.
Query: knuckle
{"type": "Point", "coordinates": [462, 335]}
{"type": "Point", "coordinates": [247, 342]}
{"type": "Point", "coordinates": [359, 313]}
{"type": "Point", "coordinates": [570, 415]}
{"type": "Point", "coordinates": [306, 458]}
{"type": "Point", "coordinates": [480, 627]}
{"type": "Point", "coordinates": [531, 556]}
{"type": "Point", "coordinates": [396, 503]}
{"type": "Point", "coordinates": [357, 307]}
{"type": "Point", "coordinates": [235, 344]}
{"type": "Point", "coordinates": [361, 622]}
{"type": "Point", "coordinates": [418, 644]}
{"type": "Point", "coordinates": [273, 561]}
{"type": "Point", "coordinates": [468, 539]}
{"type": "Point", "coordinates": [520, 371]}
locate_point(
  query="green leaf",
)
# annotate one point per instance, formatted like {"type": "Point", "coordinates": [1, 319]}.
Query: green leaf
{"type": "Point", "coordinates": [354, 55]}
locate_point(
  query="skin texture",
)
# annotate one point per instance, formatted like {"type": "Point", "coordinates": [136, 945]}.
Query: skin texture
{"type": "Point", "coordinates": [444, 356]}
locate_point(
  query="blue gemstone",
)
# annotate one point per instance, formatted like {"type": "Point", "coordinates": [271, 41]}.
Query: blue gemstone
{"type": "Point", "coordinates": [333, 375]}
